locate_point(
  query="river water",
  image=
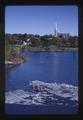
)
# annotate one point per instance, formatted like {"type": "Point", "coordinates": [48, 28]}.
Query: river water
{"type": "Point", "coordinates": [48, 67]}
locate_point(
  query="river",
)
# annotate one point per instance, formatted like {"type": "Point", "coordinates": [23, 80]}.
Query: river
{"type": "Point", "coordinates": [48, 67]}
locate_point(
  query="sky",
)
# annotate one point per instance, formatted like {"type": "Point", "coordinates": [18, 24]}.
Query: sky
{"type": "Point", "coordinates": [41, 19]}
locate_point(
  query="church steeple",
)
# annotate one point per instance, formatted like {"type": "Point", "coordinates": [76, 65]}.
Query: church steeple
{"type": "Point", "coordinates": [56, 30]}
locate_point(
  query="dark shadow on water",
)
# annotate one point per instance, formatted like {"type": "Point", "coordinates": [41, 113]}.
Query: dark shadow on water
{"type": "Point", "coordinates": [39, 110]}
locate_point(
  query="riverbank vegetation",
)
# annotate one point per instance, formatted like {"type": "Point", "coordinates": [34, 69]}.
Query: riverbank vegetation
{"type": "Point", "coordinates": [50, 48]}
{"type": "Point", "coordinates": [13, 54]}
{"type": "Point", "coordinates": [43, 41]}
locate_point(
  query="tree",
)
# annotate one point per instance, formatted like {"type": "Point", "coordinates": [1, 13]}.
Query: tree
{"type": "Point", "coordinates": [44, 41]}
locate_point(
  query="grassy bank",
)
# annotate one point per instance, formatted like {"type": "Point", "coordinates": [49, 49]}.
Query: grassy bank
{"type": "Point", "coordinates": [50, 48]}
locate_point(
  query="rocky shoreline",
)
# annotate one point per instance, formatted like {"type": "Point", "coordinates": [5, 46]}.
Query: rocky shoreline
{"type": "Point", "coordinates": [11, 64]}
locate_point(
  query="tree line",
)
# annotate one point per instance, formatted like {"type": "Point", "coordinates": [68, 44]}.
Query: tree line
{"type": "Point", "coordinates": [43, 41]}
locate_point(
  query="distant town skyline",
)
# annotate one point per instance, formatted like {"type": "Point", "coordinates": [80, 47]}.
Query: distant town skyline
{"type": "Point", "coordinates": [41, 19]}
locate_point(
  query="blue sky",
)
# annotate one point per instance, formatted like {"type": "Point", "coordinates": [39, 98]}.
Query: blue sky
{"type": "Point", "coordinates": [41, 19]}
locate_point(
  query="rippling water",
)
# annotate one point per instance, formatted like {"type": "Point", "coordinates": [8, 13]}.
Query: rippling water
{"type": "Point", "coordinates": [48, 67]}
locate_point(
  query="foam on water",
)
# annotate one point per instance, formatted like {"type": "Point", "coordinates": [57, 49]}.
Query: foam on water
{"type": "Point", "coordinates": [62, 90]}
{"type": "Point", "coordinates": [41, 93]}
